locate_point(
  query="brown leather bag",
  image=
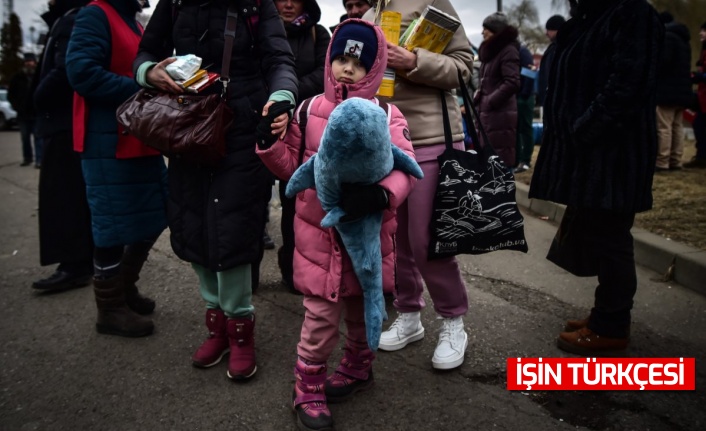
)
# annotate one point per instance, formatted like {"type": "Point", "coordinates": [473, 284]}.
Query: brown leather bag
{"type": "Point", "coordinates": [188, 126]}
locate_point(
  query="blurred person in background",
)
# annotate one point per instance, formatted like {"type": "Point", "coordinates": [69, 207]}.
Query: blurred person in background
{"type": "Point", "coordinates": [357, 8]}
{"type": "Point", "coordinates": [64, 217]}
{"type": "Point", "coordinates": [125, 180]}
{"type": "Point", "coordinates": [552, 27]}
{"type": "Point", "coordinates": [699, 78]}
{"type": "Point", "coordinates": [309, 41]}
{"type": "Point", "coordinates": [674, 93]}
{"type": "Point", "coordinates": [525, 113]}
{"type": "Point", "coordinates": [19, 94]}
{"type": "Point", "coordinates": [496, 98]}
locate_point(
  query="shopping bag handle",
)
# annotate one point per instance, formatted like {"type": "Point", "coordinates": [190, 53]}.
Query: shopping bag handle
{"type": "Point", "coordinates": [469, 116]}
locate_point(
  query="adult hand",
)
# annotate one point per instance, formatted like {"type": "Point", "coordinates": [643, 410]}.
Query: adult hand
{"type": "Point", "coordinates": [158, 77]}
{"type": "Point", "coordinates": [279, 123]}
{"type": "Point", "coordinates": [399, 58]}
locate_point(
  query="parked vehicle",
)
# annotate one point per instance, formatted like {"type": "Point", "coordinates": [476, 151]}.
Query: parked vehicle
{"type": "Point", "coordinates": [8, 116]}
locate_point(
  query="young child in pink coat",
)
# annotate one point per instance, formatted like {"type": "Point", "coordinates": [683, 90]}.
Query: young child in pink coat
{"type": "Point", "coordinates": [355, 63]}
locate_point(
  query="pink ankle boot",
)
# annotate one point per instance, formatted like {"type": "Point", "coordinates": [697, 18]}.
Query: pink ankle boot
{"type": "Point", "coordinates": [240, 330]}
{"type": "Point", "coordinates": [216, 345]}
{"type": "Point", "coordinates": [309, 399]}
{"type": "Point", "coordinates": [353, 374]}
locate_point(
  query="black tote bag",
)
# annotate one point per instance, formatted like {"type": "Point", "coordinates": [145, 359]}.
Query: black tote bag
{"type": "Point", "coordinates": [475, 211]}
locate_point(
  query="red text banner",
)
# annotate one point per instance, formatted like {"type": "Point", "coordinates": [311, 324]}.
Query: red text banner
{"type": "Point", "coordinates": [621, 374]}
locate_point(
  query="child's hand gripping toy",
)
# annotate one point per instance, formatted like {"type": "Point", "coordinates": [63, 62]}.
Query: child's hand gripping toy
{"type": "Point", "coordinates": [356, 148]}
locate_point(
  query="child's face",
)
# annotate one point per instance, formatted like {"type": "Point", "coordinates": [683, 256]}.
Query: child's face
{"type": "Point", "coordinates": [348, 70]}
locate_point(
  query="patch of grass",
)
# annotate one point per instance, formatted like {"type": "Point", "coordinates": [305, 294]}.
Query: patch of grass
{"type": "Point", "coordinates": [679, 209]}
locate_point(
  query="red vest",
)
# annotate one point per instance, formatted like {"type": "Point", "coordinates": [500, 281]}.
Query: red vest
{"type": "Point", "coordinates": [124, 44]}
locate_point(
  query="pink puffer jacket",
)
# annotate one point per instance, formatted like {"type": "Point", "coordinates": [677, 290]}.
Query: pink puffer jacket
{"type": "Point", "coordinates": [321, 265]}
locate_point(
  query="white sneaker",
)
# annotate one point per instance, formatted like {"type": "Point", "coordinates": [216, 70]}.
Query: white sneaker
{"type": "Point", "coordinates": [451, 348]}
{"type": "Point", "coordinates": [407, 328]}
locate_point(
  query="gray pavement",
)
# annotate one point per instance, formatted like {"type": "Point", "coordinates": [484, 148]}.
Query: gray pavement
{"type": "Point", "coordinates": [57, 373]}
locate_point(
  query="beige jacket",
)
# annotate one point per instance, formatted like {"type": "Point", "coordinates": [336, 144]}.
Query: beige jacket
{"type": "Point", "coordinates": [417, 90]}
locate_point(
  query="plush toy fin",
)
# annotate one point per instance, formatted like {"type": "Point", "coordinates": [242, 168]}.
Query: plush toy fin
{"type": "Point", "coordinates": [404, 163]}
{"type": "Point", "coordinates": [333, 217]}
{"type": "Point", "coordinates": [302, 178]}
{"type": "Point", "coordinates": [362, 241]}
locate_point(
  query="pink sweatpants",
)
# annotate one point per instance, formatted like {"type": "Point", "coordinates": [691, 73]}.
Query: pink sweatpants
{"type": "Point", "coordinates": [442, 276]}
{"type": "Point", "coordinates": [322, 319]}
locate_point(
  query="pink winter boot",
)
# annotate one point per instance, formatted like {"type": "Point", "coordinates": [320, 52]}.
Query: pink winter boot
{"type": "Point", "coordinates": [241, 364]}
{"type": "Point", "coordinates": [353, 374]}
{"type": "Point", "coordinates": [309, 399]}
{"type": "Point", "coordinates": [216, 345]}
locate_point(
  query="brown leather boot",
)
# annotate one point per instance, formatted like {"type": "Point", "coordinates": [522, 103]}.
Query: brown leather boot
{"type": "Point", "coordinates": [575, 325]}
{"type": "Point", "coordinates": [130, 267]}
{"type": "Point", "coordinates": [114, 316]}
{"type": "Point", "coordinates": [585, 342]}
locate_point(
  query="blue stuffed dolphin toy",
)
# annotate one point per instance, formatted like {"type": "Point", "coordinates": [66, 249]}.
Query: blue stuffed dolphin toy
{"type": "Point", "coordinates": [356, 148]}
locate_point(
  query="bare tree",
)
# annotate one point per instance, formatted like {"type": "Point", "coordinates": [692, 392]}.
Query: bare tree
{"type": "Point", "coordinates": [560, 5]}
{"type": "Point", "coordinates": [525, 18]}
{"type": "Point", "coordinates": [10, 49]}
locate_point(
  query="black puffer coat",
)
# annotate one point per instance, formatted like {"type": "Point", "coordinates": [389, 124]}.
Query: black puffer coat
{"type": "Point", "coordinates": [674, 70]}
{"type": "Point", "coordinates": [217, 216]}
{"type": "Point", "coordinates": [600, 139]}
{"type": "Point", "coordinates": [309, 42]}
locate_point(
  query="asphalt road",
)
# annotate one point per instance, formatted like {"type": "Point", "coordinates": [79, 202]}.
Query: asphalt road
{"type": "Point", "coordinates": [57, 373]}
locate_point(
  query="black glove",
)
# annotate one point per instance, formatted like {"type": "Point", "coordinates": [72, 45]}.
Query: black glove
{"type": "Point", "coordinates": [358, 200]}
{"type": "Point", "coordinates": [265, 138]}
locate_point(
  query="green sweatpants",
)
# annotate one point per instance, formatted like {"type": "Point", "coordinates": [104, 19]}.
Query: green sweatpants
{"type": "Point", "coordinates": [525, 134]}
{"type": "Point", "coordinates": [230, 291]}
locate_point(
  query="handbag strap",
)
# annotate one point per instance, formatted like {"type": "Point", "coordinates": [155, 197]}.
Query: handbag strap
{"type": "Point", "coordinates": [470, 108]}
{"type": "Point", "coordinates": [229, 36]}
{"type": "Point", "coordinates": [447, 124]}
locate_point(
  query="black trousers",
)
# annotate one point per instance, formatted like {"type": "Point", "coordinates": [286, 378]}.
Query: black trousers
{"type": "Point", "coordinates": [607, 238]}
{"type": "Point", "coordinates": [65, 235]}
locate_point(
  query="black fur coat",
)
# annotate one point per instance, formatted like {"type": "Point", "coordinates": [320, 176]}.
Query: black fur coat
{"type": "Point", "coordinates": [600, 140]}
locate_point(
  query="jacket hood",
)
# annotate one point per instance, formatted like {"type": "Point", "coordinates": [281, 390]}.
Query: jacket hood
{"type": "Point", "coordinates": [59, 8]}
{"type": "Point", "coordinates": [312, 9]}
{"type": "Point", "coordinates": [679, 29]}
{"type": "Point", "coordinates": [492, 47]}
{"type": "Point", "coordinates": [365, 88]}
{"type": "Point", "coordinates": [127, 7]}
{"type": "Point", "coordinates": [594, 7]}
